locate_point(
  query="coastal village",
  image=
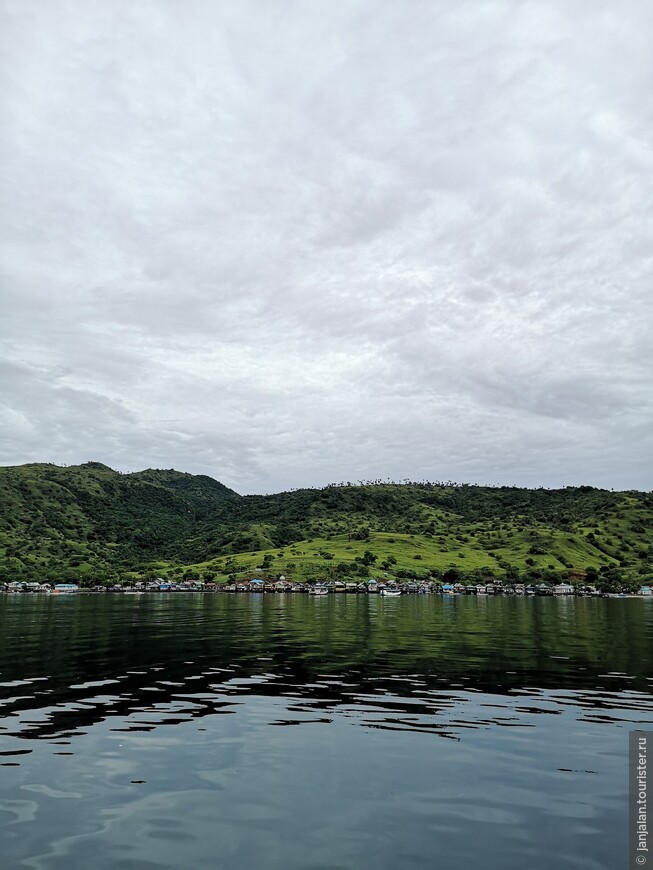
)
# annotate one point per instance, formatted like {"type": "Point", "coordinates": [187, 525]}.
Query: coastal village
{"type": "Point", "coordinates": [281, 586]}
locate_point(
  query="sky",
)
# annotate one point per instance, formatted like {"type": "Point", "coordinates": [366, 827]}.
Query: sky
{"type": "Point", "coordinates": [292, 243]}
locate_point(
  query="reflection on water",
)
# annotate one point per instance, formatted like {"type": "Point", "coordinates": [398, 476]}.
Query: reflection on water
{"type": "Point", "coordinates": [534, 696]}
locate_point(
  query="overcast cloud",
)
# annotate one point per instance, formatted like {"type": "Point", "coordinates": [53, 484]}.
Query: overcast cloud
{"type": "Point", "coordinates": [287, 243]}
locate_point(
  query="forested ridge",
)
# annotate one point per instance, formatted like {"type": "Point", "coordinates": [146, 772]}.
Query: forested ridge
{"type": "Point", "coordinates": [92, 524]}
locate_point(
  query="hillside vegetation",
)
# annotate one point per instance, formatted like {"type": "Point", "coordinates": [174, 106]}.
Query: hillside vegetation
{"type": "Point", "coordinates": [92, 524]}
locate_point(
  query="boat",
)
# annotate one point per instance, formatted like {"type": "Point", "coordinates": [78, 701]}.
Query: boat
{"type": "Point", "coordinates": [319, 589]}
{"type": "Point", "coordinates": [65, 588]}
{"type": "Point", "coordinates": [390, 593]}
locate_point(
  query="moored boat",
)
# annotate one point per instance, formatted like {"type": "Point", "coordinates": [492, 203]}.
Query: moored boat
{"type": "Point", "coordinates": [65, 588]}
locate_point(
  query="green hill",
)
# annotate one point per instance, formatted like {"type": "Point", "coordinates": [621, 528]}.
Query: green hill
{"type": "Point", "coordinates": [89, 519]}
{"type": "Point", "coordinates": [93, 524]}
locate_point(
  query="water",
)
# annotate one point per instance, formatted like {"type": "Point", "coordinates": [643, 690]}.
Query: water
{"type": "Point", "coordinates": [284, 731]}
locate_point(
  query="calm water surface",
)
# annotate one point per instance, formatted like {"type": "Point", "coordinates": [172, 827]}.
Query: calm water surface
{"type": "Point", "coordinates": [283, 731]}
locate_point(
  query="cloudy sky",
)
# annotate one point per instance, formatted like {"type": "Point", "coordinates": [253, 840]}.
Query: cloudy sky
{"type": "Point", "coordinates": [289, 242]}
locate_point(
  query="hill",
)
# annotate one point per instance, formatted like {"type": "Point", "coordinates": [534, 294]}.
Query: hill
{"type": "Point", "coordinates": [92, 523]}
{"type": "Point", "coordinates": [91, 519]}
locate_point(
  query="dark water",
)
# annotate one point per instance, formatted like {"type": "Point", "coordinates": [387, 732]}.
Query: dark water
{"type": "Point", "coordinates": [273, 731]}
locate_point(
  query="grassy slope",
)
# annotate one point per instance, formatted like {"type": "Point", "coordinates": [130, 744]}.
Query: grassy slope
{"type": "Point", "coordinates": [480, 548]}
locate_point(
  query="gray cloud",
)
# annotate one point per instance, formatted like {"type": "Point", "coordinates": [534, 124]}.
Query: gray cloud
{"type": "Point", "coordinates": [288, 243]}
